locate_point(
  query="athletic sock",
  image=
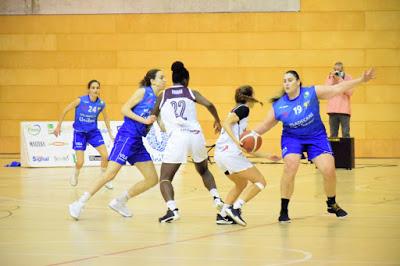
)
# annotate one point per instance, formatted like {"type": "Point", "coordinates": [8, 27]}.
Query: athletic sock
{"type": "Point", "coordinates": [84, 198]}
{"type": "Point", "coordinates": [214, 192]}
{"type": "Point", "coordinates": [171, 204]}
{"type": "Point", "coordinates": [331, 200]}
{"type": "Point", "coordinates": [238, 204]}
{"type": "Point", "coordinates": [284, 205]}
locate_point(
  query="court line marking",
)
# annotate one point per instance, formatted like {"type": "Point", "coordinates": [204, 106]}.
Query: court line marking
{"type": "Point", "coordinates": [308, 256]}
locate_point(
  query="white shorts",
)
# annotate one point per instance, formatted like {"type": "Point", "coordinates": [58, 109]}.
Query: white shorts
{"type": "Point", "coordinates": [231, 163]}
{"type": "Point", "coordinates": [183, 143]}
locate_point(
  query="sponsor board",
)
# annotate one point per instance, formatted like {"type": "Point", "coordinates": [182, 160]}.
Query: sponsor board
{"type": "Point", "coordinates": [41, 148]}
{"type": "Point", "coordinates": [37, 144]}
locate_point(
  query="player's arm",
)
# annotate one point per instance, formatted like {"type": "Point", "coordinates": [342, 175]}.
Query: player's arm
{"type": "Point", "coordinates": [269, 156]}
{"type": "Point", "coordinates": [133, 101]}
{"type": "Point", "coordinates": [227, 125]}
{"type": "Point", "coordinates": [107, 122]}
{"type": "Point", "coordinates": [156, 112]}
{"type": "Point", "coordinates": [69, 107]}
{"type": "Point", "coordinates": [328, 91]}
{"type": "Point", "coordinates": [156, 109]}
{"type": "Point", "coordinates": [211, 108]}
{"type": "Point", "coordinates": [268, 123]}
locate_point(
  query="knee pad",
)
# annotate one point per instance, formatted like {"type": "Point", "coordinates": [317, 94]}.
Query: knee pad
{"type": "Point", "coordinates": [259, 185]}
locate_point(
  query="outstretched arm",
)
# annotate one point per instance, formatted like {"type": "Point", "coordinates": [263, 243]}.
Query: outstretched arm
{"type": "Point", "coordinates": [268, 123]}
{"type": "Point", "coordinates": [74, 104]}
{"type": "Point", "coordinates": [211, 108]}
{"type": "Point", "coordinates": [328, 91]}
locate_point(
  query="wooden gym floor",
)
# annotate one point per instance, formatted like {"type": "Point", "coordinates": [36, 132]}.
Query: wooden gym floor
{"type": "Point", "coordinates": [35, 228]}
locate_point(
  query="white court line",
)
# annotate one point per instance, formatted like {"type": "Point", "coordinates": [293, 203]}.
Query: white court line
{"type": "Point", "coordinates": [307, 255]}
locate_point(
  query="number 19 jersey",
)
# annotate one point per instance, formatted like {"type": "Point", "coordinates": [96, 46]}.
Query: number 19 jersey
{"type": "Point", "coordinates": [300, 116]}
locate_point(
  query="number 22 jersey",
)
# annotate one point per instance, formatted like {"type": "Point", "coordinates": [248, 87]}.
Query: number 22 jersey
{"type": "Point", "coordinates": [178, 109]}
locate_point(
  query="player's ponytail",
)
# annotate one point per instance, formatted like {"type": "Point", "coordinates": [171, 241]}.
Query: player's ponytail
{"type": "Point", "coordinates": [245, 94]}
{"type": "Point", "coordinates": [151, 74]}
{"type": "Point", "coordinates": [180, 75]}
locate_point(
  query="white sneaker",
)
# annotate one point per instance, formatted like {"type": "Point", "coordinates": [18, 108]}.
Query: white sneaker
{"type": "Point", "coordinates": [73, 181]}
{"type": "Point", "coordinates": [218, 203]}
{"type": "Point", "coordinates": [120, 207]}
{"type": "Point", "coordinates": [75, 209]}
{"type": "Point", "coordinates": [109, 185]}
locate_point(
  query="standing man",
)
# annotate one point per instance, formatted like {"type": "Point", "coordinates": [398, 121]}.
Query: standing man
{"type": "Point", "coordinates": [338, 109]}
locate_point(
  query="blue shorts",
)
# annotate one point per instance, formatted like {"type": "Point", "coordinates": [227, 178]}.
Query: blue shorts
{"type": "Point", "coordinates": [314, 146]}
{"type": "Point", "coordinates": [81, 139]}
{"type": "Point", "coordinates": [129, 149]}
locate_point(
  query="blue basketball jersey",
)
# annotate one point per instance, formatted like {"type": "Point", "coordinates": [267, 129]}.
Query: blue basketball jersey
{"type": "Point", "coordinates": [132, 127]}
{"type": "Point", "coordinates": [86, 114]}
{"type": "Point", "coordinates": [300, 116]}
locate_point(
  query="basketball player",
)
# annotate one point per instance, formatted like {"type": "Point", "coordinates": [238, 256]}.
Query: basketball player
{"type": "Point", "coordinates": [87, 110]}
{"type": "Point", "coordinates": [128, 146]}
{"type": "Point", "coordinates": [231, 160]}
{"type": "Point", "coordinates": [303, 131]}
{"type": "Point", "coordinates": [177, 108]}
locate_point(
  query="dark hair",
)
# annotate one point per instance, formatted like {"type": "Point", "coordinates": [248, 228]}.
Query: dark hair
{"type": "Point", "coordinates": [92, 81]}
{"type": "Point", "coordinates": [151, 74]}
{"type": "Point", "coordinates": [245, 94]}
{"type": "Point", "coordinates": [296, 75]}
{"type": "Point", "coordinates": [179, 73]}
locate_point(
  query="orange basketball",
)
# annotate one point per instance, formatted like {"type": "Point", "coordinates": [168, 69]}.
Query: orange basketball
{"type": "Point", "coordinates": [250, 140]}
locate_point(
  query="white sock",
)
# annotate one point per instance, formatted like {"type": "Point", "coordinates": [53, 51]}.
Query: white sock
{"type": "Point", "coordinates": [124, 197]}
{"type": "Point", "coordinates": [77, 171]}
{"type": "Point", "coordinates": [214, 192]}
{"type": "Point", "coordinates": [223, 211]}
{"type": "Point", "coordinates": [85, 197]}
{"type": "Point", "coordinates": [171, 204]}
{"type": "Point", "coordinates": [238, 204]}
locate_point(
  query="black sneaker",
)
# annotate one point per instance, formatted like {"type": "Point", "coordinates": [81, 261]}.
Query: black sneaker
{"type": "Point", "coordinates": [235, 214]}
{"type": "Point", "coordinates": [335, 208]}
{"type": "Point", "coordinates": [169, 216]}
{"type": "Point", "coordinates": [224, 220]}
{"type": "Point", "coordinates": [284, 217]}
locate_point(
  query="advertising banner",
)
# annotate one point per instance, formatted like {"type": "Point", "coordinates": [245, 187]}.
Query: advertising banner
{"type": "Point", "coordinates": [41, 148]}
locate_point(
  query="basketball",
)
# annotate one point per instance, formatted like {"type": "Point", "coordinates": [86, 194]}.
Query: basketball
{"type": "Point", "coordinates": [250, 140]}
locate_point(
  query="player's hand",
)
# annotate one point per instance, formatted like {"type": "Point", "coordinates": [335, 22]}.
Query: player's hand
{"type": "Point", "coordinates": [245, 151]}
{"type": "Point", "coordinates": [274, 158]}
{"type": "Point", "coordinates": [368, 75]}
{"type": "Point", "coordinates": [150, 120]}
{"type": "Point", "coordinates": [57, 131]}
{"type": "Point", "coordinates": [217, 127]}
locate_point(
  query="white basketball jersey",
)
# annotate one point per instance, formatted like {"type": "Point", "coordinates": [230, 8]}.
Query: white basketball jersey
{"type": "Point", "coordinates": [224, 141]}
{"type": "Point", "coordinates": [178, 109]}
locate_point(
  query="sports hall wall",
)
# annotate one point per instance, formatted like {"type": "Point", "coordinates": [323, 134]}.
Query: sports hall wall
{"type": "Point", "coordinates": [47, 60]}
